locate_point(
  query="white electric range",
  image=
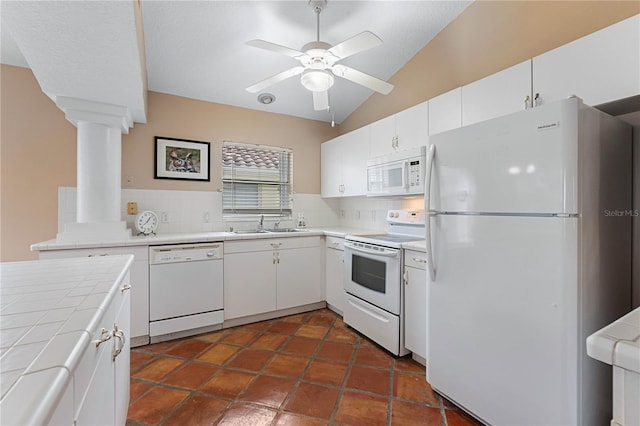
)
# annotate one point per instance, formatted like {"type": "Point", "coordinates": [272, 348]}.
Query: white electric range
{"type": "Point", "coordinates": [373, 279]}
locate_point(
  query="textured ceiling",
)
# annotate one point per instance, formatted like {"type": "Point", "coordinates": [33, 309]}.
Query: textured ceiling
{"type": "Point", "coordinates": [197, 49]}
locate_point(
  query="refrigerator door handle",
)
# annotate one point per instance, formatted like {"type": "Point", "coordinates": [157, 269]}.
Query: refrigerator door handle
{"type": "Point", "coordinates": [427, 209]}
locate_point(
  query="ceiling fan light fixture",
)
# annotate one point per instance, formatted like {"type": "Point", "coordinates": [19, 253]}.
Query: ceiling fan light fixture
{"type": "Point", "coordinates": [317, 80]}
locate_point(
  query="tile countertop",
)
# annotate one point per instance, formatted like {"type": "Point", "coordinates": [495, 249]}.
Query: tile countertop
{"type": "Point", "coordinates": [47, 311]}
{"type": "Point", "coordinates": [618, 343]}
{"type": "Point", "coordinates": [145, 240]}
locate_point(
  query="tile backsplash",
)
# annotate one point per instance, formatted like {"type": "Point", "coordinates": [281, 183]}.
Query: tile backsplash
{"type": "Point", "coordinates": [201, 211]}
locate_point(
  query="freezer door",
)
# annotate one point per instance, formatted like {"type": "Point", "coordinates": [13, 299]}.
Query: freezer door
{"type": "Point", "coordinates": [521, 163]}
{"type": "Point", "coordinates": [502, 318]}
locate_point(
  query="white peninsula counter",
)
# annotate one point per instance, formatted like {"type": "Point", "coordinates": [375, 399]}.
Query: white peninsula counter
{"type": "Point", "coordinates": [64, 328]}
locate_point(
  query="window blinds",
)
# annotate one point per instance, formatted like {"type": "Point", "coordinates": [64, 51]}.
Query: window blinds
{"type": "Point", "coordinates": [256, 180]}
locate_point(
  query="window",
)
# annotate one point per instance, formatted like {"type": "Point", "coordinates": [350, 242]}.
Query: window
{"type": "Point", "coordinates": [256, 180]}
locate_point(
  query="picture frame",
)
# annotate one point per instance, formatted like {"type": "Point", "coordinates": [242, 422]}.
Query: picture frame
{"type": "Point", "coordinates": [182, 159]}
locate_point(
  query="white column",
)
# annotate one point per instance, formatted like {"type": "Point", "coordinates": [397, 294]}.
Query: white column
{"type": "Point", "coordinates": [99, 163]}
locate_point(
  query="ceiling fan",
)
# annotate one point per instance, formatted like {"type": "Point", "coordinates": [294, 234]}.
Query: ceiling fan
{"type": "Point", "coordinates": [318, 63]}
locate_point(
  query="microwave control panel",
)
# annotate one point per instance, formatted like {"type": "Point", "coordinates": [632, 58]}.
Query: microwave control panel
{"type": "Point", "coordinates": [414, 173]}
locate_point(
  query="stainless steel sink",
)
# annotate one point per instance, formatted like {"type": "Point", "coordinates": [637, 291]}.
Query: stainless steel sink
{"type": "Point", "coordinates": [251, 231]}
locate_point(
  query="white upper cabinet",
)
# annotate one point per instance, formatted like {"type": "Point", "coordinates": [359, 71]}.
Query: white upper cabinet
{"type": "Point", "coordinates": [499, 94]}
{"type": "Point", "coordinates": [601, 67]}
{"type": "Point", "coordinates": [406, 129]}
{"type": "Point", "coordinates": [344, 164]}
{"type": "Point", "coordinates": [445, 111]}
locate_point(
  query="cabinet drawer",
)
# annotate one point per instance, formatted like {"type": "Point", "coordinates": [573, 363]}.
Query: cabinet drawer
{"type": "Point", "coordinates": [415, 259]}
{"type": "Point", "coordinates": [265, 244]}
{"type": "Point", "coordinates": [335, 243]}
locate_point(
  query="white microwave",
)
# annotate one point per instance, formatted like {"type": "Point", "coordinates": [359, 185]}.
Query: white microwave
{"type": "Point", "coordinates": [397, 174]}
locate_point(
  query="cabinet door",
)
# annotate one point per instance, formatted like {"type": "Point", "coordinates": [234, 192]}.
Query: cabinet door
{"type": "Point", "coordinates": [412, 127]}
{"type": "Point", "coordinates": [334, 278]}
{"type": "Point", "coordinates": [354, 162]}
{"type": "Point", "coordinates": [122, 360]}
{"type": "Point", "coordinates": [381, 136]}
{"type": "Point", "coordinates": [249, 284]}
{"type": "Point", "coordinates": [415, 311]}
{"type": "Point", "coordinates": [496, 95]}
{"type": "Point", "coordinates": [601, 67]}
{"type": "Point", "coordinates": [331, 168]}
{"type": "Point", "coordinates": [96, 408]}
{"type": "Point", "coordinates": [299, 277]}
{"type": "Point", "coordinates": [445, 111]}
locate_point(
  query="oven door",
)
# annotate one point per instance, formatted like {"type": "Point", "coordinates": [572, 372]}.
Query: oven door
{"type": "Point", "coordinates": [372, 273]}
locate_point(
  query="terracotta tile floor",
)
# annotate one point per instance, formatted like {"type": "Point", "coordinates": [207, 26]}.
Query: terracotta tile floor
{"type": "Point", "coordinates": [305, 369]}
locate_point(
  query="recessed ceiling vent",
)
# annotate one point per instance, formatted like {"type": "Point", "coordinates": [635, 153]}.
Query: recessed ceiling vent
{"type": "Point", "coordinates": [266, 98]}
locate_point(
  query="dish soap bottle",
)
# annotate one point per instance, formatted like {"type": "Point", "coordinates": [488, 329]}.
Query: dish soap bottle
{"type": "Point", "coordinates": [301, 221]}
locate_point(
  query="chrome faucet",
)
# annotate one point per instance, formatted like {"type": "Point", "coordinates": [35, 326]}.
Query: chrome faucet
{"type": "Point", "coordinates": [276, 225]}
{"type": "Point", "coordinates": [260, 225]}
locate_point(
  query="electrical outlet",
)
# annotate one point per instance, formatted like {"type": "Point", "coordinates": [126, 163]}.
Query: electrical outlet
{"type": "Point", "coordinates": [164, 217]}
{"type": "Point", "coordinates": [373, 215]}
{"type": "Point", "coordinates": [132, 208]}
{"type": "Point", "coordinates": [342, 214]}
{"type": "Point", "coordinates": [206, 217]}
{"type": "Point", "coordinates": [357, 214]}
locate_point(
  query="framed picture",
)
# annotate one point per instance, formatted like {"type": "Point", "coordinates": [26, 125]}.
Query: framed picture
{"type": "Point", "coordinates": [182, 159]}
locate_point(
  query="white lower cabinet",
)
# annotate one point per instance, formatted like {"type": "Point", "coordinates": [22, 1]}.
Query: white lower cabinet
{"type": "Point", "coordinates": [334, 273]}
{"type": "Point", "coordinates": [249, 282]}
{"type": "Point", "coordinates": [264, 275]}
{"type": "Point", "coordinates": [415, 302]}
{"type": "Point", "coordinates": [101, 381]}
{"type": "Point", "coordinates": [139, 282]}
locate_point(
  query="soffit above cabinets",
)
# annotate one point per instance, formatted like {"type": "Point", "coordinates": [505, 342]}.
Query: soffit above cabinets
{"type": "Point", "coordinates": [198, 49]}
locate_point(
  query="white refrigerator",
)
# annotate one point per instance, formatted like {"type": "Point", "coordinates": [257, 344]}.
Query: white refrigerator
{"type": "Point", "coordinates": [529, 237]}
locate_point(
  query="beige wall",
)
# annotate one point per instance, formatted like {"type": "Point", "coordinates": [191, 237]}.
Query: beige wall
{"type": "Point", "coordinates": [38, 154]}
{"type": "Point", "coordinates": [38, 146]}
{"type": "Point", "coordinates": [487, 37]}
{"type": "Point", "coordinates": [178, 117]}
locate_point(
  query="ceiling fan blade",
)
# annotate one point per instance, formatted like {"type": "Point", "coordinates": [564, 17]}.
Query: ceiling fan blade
{"type": "Point", "coordinates": [362, 79]}
{"type": "Point", "coordinates": [275, 79]}
{"type": "Point", "coordinates": [262, 44]}
{"type": "Point", "coordinates": [320, 100]}
{"type": "Point", "coordinates": [356, 44]}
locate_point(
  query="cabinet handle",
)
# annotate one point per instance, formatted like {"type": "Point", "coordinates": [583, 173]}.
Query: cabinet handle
{"type": "Point", "coordinates": [125, 287]}
{"type": "Point", "coordinates": [101, 254]}
{"type": "Point", "coordinates": [276, 245]}
{"type": "Point", "coordinates": [537, 100]}
{"type": "Point", "coordinates": [105, 335]}
{"type": "Point", "coordinates": [120, 336]}
{"type": "Point", "coordinates": [417, 259]}
{"type": "Point", "coordinates": [273, 260]}
{"type": "Point", "coordinates": [405, 277]}
{"type": "Point", "coordinates": [527, 102]}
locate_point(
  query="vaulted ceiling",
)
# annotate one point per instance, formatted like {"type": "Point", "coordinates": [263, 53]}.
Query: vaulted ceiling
{"type": "Point", "coordinates": [197, 49]}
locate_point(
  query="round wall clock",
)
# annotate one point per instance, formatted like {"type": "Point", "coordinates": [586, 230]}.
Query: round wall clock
{"type": "Point", "coordinates": [147, 222]}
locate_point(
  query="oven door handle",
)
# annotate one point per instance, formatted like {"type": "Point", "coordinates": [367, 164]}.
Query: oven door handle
{"type": "Point", "coordinates": [386, 253]}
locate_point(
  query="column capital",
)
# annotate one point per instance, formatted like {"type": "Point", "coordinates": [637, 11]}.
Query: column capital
{"type": "Point", "coordinates": [77, 110]}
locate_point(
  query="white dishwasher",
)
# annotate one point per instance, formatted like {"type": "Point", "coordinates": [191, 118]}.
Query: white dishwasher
{"type": "Point", "coordinates": [185, 289]}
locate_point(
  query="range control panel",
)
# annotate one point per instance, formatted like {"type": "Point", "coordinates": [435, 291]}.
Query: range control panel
{"type": "Point", "coordinates": [406, 217]}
